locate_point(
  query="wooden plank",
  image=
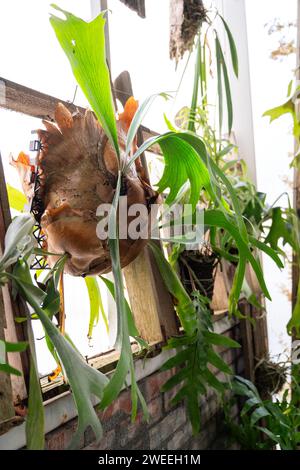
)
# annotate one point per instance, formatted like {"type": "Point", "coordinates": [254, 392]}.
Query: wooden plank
{"type": "Point", "coordinates": [14, 332]}
{"type": "Point", "coordinates": [33, 103]}
{"type": "Point", "coordinates": [260, 332]}
{"type": "Point", "coordinates": [247, 342]}
{"type": "Point", "coordinates": [161, 305]}
{"type": "Point", "coordinates": [6, 398]}
{"type": "Point", "coordinates": [219, 303]}
{"type": "Point", "coordinates": [143, 298]}
{"type": "Point", "coordinates": [169, 322]}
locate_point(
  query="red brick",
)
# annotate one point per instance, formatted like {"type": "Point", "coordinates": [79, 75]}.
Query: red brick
{"type": "Point", "coordinates": [106, 442]}
{"type": "Point", "coordinates": [155, 408]}
{"type": "Point", "coordinates": [165, 428]}
{"type": "Point", "coordinates": [124, 402]}
{"type": "Point", "coordinates": [155, 382]}
{"type": "Point", "coordinates": [60, 438]}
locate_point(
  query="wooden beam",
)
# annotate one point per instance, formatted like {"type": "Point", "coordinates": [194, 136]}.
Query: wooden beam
{"type": "Point", "coordinates": [21, 99]}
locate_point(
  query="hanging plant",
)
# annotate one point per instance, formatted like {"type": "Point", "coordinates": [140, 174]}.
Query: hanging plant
{"type": "Point", "coordinates": [84, 162]}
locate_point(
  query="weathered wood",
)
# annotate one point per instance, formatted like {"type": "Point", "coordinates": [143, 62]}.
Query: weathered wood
{"type": "Point", "coordinates": [185, 19]}
{"type": "Point", "coordinates": [143, 298]}
{"type": "Point", "coordinates": [168, 320]}
{"type": "Point", "coordinates": [14, 332]}
{"type": "Point", "coordinates": [161, 303]}
{"type": "Point", "coordinates": [219, 303]}
{"type": "Point", "coordinates": [6, 398]}
{"type": "Point", "coordinates": [136, 5]}
{"type": "Point", "coordinates": [260, 332]}
{"type": "Point", "coordinates": [21, 99]}
{"type": "Point", "coordinates": [247, 343]}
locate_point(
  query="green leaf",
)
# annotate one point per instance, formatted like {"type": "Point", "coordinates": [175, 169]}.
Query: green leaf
{"type": "Point", "coordinates": [193, 409]}
{"type": "Point", "coordinates": [176, 379]}
{"type": "Point", "coordinates": [286, 108]}
{"type": "Point", "coordinates": [85, 381]}
{"type": "Point", "coordinates": [293, 326]}
{"type": "Point", "coordinates": [169, 124]}
{"type": "Point", "coordinates": [16, 198]}
{"type": "Point", "coordinates": [179, 170]}
{"type": "Point", "coordinates": [138, 118]}
{"type": "Point", "coordinates": [184, 307]}
{"type": "Point", "coordinates": [266, 249]}
{"type": "Point", "coordinates": [249, 404]}
{"type": "Point", "coordinates": [258, 414]}
{"type": "Point", "coordinates": [84, 45]}
{"type": "Point", "coordinates": [289, 89]}
{"type": "Point", "coordinates": [197, 73]}
{"type": "Point", "coordinates": [7, 347]}
{"type": "Point", "coordinates": [7, 369]}
{"type": "Point", "coordinates": [177, 360]}
{"type": "Point", "coordinates": [13, 347]}
{"type": "Point", "coordinates": [217, 218]}
{"type": "Point", "coordinates": [216, 360]}
{"type": "Point", "coordinates": [220, 340]}
{"type": "Point", "coordinates": [269, 433]}
{"type": "Point", "coordinates": [247, 384]}
{"type": "Point", "coordinates": [125, 363]}
{"type": "Point", "coordinates": [281, 228]}
{"type": "Point", "coordinates": [226, 84]}
{"type": "Point", "coordinates": [213, 381]}
{"type": "Point", "coordinates": [220, 87]}
{"type": "Point", "coordinates": [233, 51]}
{"type": "Point", "coordinates": [96, 305]}
{"type": "Point", "coordinates": [35, 419]}
{"type": "Point", "coordinates": [215, 172]}
{"type": "Point", "coordinates": [17, 239]}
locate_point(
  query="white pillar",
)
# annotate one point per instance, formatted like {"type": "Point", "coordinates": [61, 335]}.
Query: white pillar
{"type": "Point", "coordinates": [234, 12]}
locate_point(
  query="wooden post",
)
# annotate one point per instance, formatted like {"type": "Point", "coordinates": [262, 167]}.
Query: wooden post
{"type": "Point", "coordinates": [151, 303]}
{"type": "Point", "coordinates": [14, 332]}
{"type": "Point", "coordinates": [6, 398]}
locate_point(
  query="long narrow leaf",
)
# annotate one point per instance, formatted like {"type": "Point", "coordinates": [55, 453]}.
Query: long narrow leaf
{"type": "Point", "coordinates": [84, 45]}
{"type": "Point", "coordinates": [232, 45]}
{"type": "Point", "coordinates": [226, 84]}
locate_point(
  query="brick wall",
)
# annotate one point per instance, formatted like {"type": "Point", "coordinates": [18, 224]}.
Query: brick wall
{"type": "Point", "coordinates": [168, 427]}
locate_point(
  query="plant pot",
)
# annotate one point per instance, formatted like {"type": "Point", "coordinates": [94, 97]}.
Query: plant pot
{"type": "Point", "coordinates": [197, 270]}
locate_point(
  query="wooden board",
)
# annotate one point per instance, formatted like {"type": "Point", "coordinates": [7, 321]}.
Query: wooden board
{"type": "Point", "coordinates": [143, 298]}
{"type": "Point", "coordinates": [33, 103]}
